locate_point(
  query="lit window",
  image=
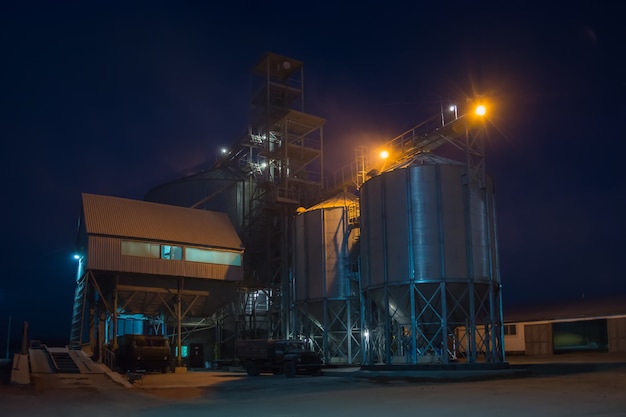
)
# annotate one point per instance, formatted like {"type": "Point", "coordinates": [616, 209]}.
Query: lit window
{"type": "Point", "coordinates": [143, 249]}
{"type": "Point", "coordinates": [174, 253]}
{"type": "Point", "coordinates": [184, 350]}
{"type": "Point", "coordinates": [213, 256]}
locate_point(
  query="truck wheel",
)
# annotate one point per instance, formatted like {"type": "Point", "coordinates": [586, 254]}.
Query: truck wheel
{"type": "Point", "coordinates": [252, 369]}
{"type": "Point", "coordinates": [289, 369]}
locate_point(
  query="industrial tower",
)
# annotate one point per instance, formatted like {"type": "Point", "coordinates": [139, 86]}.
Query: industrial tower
{"type": "Point", "coordinates": [282, 155]}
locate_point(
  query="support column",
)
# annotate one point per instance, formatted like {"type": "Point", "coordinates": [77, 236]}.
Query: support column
{"type": "Point", "coordinates": [179, 342]}
{"type": "Point", "coordinates": [115, 300]}
{"type": "Point", "coordinates": [444, 323]}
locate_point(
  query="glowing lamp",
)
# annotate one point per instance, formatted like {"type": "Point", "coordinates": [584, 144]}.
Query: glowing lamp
{"type": "Point", "coordinates": [480, 110]}
{"type": "Point", "coordinates": [384, 154]}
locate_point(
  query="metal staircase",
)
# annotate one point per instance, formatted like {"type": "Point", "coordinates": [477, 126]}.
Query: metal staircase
{"type": "Point", "coordinates": [79, 310]}
{"type": "Point", "coordinates": [63, 362]}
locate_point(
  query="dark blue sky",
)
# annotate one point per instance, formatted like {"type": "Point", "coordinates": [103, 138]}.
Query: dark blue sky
{"type": "Point", "coordinates": [114, 98]}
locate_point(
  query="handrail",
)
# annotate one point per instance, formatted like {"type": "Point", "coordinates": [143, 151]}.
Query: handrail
{"type": "Point", "coordinates": [108, 358]}
{"type": "Point", "coordinates": [423, 137]}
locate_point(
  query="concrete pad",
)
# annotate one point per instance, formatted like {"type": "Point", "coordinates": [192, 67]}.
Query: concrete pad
{"type": "Point", "coordinates": [20, 374]}
{"type": "Point", "coordinates": [119, 379]}
{"type": "Point", "coordinates": [39, 362]}
{"type": "Point", "coordinates": [85, 364]}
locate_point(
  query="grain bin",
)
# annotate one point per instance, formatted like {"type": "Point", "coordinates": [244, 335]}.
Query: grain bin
{"type": "Point", "coordinates": [429, 265]}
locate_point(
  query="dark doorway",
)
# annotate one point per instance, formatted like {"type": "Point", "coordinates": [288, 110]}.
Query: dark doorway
{"type": "Point", "coordinates": [196, 355]}
{"type": "Point", "coordinates": [587, 335]}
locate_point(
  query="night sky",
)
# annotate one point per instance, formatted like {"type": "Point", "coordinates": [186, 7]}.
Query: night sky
{"type": "Point", "coordinates": [116, 98]}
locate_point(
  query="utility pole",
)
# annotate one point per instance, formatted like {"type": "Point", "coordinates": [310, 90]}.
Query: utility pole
{"type": "Point", "coordinates": [8, 337]}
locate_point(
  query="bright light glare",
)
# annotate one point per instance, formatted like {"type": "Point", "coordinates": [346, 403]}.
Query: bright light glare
{"type": "Point", "coordinates": [76, 256]}
{"type": "Point", "coordinates": [224, 150]}
{"type": "Point", "coordinates": [384, 154]}
{"type": "Point", "coordinates": [452, 107]}
{"type": "Point", "coordinates": [481, 110]}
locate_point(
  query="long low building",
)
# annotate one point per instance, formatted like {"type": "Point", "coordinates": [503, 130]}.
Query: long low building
{"type": "Point", "coordinates": [580, 325]}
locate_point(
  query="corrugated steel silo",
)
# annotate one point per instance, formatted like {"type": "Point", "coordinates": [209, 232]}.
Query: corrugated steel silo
{"type": "Point", "coordinates": [429, 265]}
{"type": "Point", "coordinates": [326, 290]}
{"type": "Point", "coordinates": [217, 189]}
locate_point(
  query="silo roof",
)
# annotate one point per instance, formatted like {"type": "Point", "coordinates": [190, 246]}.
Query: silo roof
{"type": "Point", "coordinates": [121, 217]}
{"type": "Point", "coordinates": [343, 199]}
{"type": "Point", "coordinates": [429, 158]}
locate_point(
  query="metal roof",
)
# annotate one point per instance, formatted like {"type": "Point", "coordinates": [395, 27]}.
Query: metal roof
{"type": "Point", "coordinates": [343, 199]}
{"type": "Point", "coordinates": [114, 216]}
{"type": "Point", "coordinates": [565, 310]}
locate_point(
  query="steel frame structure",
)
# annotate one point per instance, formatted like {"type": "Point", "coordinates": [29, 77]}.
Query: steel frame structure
{"type": "Point", "coordinates": [338, 334]}
{"type": "Point", "coordinates": [100, 298]}
{"type": "Point", "coordinates": [282, 154]}
{"type": "Point", "coordinates": [433, 322]}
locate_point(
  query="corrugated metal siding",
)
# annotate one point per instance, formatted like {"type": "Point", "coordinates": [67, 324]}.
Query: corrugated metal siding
{"type": "Point", "coordinates": [617, 334]}
{"type": "Point", "coordinates": [227, 192]}
{"type": "Point", "coordinates": [105, 254]}
{"type": "Point", "coordinates": [113, 216]}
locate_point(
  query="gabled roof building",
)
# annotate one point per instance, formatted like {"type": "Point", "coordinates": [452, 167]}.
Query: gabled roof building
{"type": "Point", "coordinates": [156, 261]}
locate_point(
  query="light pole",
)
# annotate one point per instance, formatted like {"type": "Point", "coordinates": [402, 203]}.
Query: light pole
{"type": "Point", "coordinates": [454, 110]}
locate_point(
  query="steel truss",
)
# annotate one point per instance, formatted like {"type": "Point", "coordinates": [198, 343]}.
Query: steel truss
{"type": "Point", "coordinates": [176, 305]}
{"type": "Point", "coordinates": [434, 322]}
{"type": "Point", "coordinates": [334, 327]}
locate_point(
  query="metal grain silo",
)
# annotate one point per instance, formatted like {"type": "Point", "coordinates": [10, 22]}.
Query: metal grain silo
{"type": "Point", "coordinates": [326, 288]}
{"type": "Point", "coordinates": [216, 189]}
{"type": "Point", "coordinates": [429, 265]}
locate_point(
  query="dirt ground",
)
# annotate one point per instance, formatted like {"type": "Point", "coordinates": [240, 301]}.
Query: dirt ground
{"type": "Point", "coordinates": [555, 391]}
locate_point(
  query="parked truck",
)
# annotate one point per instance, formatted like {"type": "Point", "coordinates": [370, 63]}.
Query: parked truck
{"type": "Point", "coordinates": [143, 353]}
{"type": "Point", "coordinates": [288, 357]}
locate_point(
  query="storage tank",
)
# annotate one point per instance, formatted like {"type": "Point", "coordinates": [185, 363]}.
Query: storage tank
{"type": "Point", "coordinates": [429, 265]}
{"type": "Point", "coordinates": [216, 189]}
{"type": "Point", "coordinates": [326, 288]}
{"type": "Point", "coordinates": [231, 191]}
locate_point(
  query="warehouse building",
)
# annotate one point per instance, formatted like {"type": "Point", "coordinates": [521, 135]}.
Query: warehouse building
{"type": "Point", "coordinates": [585, 325]}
